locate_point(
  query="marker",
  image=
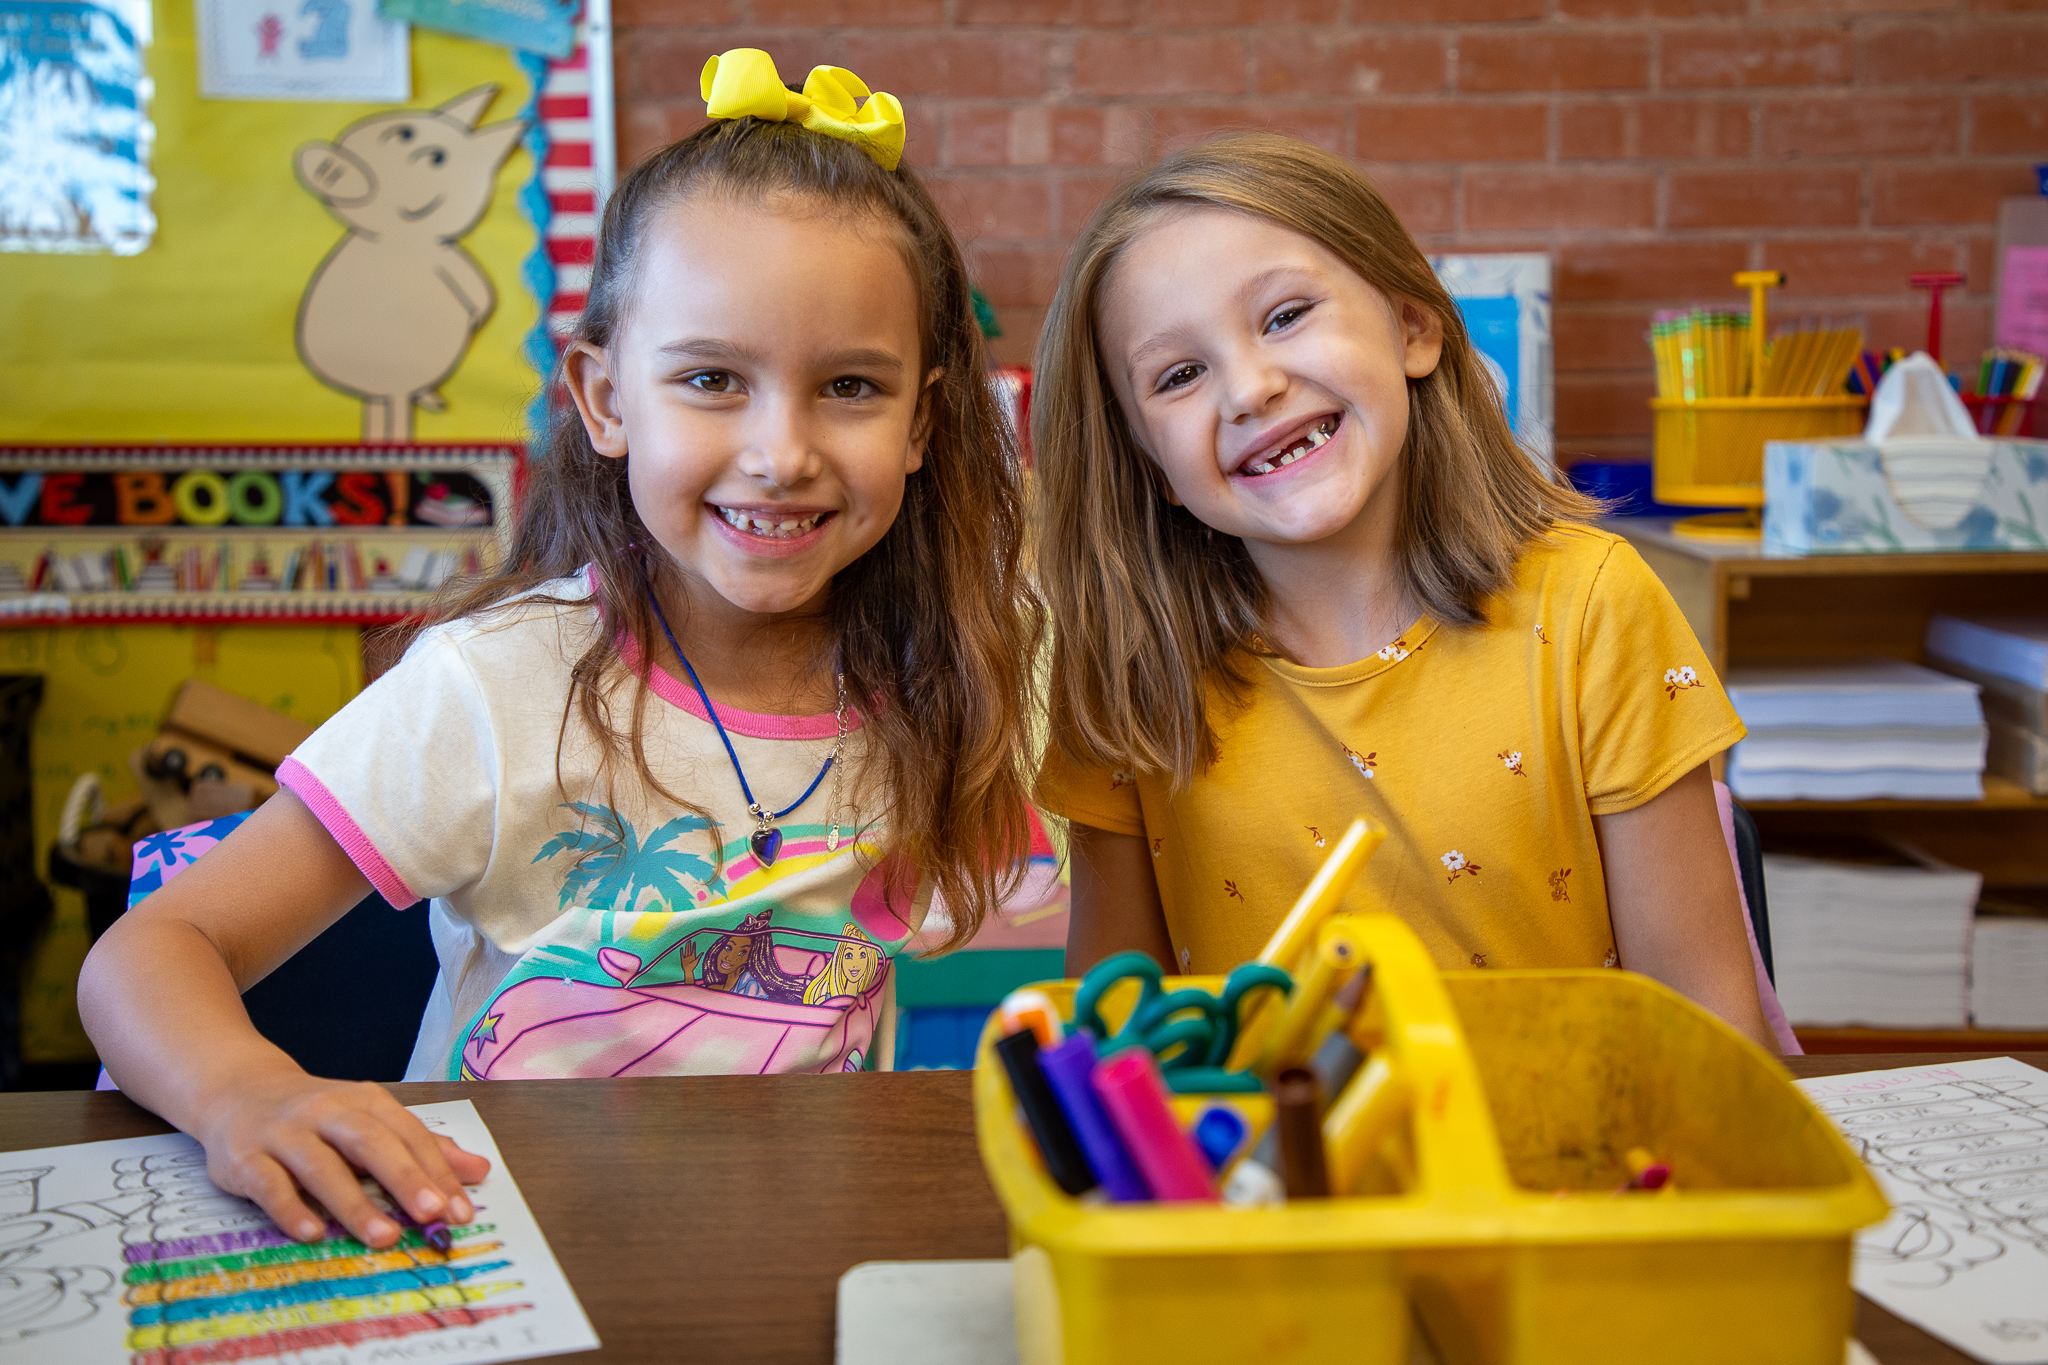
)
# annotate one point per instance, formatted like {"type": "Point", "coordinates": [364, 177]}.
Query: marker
{"type": "Point", "coordinates": [1056, 1146]}
{"type": "Point", "coordinates": [1068, 1069]}
{"type": "Point", "coordinates": [1131, 1090]}
{"type": "Point", "coordinates": [1033, 1010]}
{"type": "Point", "coordinates": [1219, 1131]}
{"type": "Point", "coordinates": [1360, 1121]}
{"type": "Point", "coordinates": [1645, 1172]}
{"type": "Point", "coordinates": [1297, 1118]}
{"type": "Point", "coordinates": [438, 1235]}
{"type": "Point", "coordinates": [1318, 901]}
{"type": "Point", "coordinates": [1256, 1181]}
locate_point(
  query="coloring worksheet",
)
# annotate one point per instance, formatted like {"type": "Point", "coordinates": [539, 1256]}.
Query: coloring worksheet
{"type": "Point", "coordinates": [124, 1252]}
{"type": "Point", "coordinates": [1961, 1150]}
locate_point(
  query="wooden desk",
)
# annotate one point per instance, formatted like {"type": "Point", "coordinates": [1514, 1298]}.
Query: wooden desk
{"type": "Point", "coordinates": [711, 1218]}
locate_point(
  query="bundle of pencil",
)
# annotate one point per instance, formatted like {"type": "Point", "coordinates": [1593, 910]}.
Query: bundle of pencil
{"type": "Point", "coordinates": [1811, 359]}
{"type": "Point", "coordinates": [1700, 353]}
{"type": "Point", "coordinates": [2009, 374]}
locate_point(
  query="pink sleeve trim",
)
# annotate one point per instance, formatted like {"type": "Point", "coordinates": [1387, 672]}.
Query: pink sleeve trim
{"type": "Point", "coordinates": [297, 779]}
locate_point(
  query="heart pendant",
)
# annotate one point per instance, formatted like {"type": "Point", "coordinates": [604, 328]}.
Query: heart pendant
{"type": "Point", "coordinates": [766, 843]}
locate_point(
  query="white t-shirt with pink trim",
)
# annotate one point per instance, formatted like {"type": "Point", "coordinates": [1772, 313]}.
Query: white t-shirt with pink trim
{"type": "Point", "coordinates": [586, 926]}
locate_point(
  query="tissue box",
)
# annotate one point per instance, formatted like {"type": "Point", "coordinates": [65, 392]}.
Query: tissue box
{"type": "Point", "coordinates": [1908, 494]}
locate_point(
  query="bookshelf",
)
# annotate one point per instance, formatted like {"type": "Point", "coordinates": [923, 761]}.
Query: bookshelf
{"type": "Point", "coordinates": [1747, 609]}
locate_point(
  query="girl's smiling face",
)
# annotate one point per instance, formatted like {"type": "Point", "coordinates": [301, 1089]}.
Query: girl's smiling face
{"type": "Point", "coordinates": [764, 386]}
{"type": "Point", "coordinates": [1263, 375]}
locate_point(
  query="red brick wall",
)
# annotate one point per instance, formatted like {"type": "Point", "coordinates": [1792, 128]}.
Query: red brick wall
{"type": "Point", "coordinates": [1652, 146]}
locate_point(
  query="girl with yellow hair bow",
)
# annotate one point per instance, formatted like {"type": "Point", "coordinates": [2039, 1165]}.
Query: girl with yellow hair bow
{"type": "Point", "coordinates": [754, 667]}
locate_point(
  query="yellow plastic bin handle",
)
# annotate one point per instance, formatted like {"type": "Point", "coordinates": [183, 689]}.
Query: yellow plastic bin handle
{"type": "Point", "coordinates": [1425, 1059]}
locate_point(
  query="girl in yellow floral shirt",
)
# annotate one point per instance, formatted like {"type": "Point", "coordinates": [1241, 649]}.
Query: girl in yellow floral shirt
{"type": "Point", "coordinates": [1302, 572]}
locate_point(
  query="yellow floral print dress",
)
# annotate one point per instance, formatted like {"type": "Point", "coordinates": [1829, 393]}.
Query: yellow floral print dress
{"type": "Point", "coordinates": [1484, 751]}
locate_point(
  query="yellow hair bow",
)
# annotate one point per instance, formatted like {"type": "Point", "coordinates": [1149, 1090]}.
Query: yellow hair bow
{"type": "Point", "coordinates": [743, 81]}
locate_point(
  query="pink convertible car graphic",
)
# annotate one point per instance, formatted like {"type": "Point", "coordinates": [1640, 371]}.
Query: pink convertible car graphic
{"type": "Point", "coordinates": [750, 999]}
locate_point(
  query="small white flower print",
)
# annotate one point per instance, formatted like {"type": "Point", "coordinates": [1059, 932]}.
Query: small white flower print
{"type": "Point", "coordinates": [1540, 637]}
{"type": "Point", "coordinates": [1185, 957]}
{"type": "Point", "coordinates": [1676, 680]}
{"type": "Point", "coordinates": [1365, 763]}
{"type": "Point", "coordinates": [1455, 864]}
{"type": "Point", "coordinates": [1511, 759]}
{"type": "Point", "coordinates": [1396, 651]}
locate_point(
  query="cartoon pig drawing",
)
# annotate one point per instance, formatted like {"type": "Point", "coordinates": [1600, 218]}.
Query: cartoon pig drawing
{"type": "Point", "coordinates": [389, 313]}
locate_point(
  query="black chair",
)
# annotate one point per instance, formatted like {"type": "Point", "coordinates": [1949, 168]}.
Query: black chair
{"type": "Point", "coordinates": [348, 1004]}
{"type": "Point", "coordinates": [1749, 861]}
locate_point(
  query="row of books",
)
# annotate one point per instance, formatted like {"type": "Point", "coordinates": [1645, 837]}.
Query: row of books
{"type": "Point", "coordinates": [1867, 729]}
{"type": "Point", "coordinates": [1873, 934]}
{"type": "Point", "coordinates": [316, 566]}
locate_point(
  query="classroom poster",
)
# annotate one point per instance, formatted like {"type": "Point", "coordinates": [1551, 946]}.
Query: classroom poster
{"type": "Point", "coordinates": [75, 132]}
{"type": "Point", "coordinates": [1504, 300]}
{"type": "Point", "coordinates": [193, 340]}
{"type": "Point", "coordinates": [302, 50]}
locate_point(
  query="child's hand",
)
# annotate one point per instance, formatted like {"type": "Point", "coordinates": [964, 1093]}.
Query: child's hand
{"type": "Point", "coordinates": [288, 1136]}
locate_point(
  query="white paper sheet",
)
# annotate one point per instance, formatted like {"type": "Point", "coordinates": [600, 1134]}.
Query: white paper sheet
{"type": "Point", "coordinates": [1961, 1150]}
{"type": "Point", "coordinates": [125, 1252]}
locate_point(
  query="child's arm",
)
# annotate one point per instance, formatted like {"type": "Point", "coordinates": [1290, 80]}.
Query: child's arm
{"type": "Point", "coordinates": [160, 995]}
{"type": "Point", "coordinates": [1115, 903]}
{"type": "Point", "coordinates": [1672, 895]}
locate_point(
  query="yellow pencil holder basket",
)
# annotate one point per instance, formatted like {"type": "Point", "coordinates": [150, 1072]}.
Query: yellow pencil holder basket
{"type": "Point", "coordinates": [1710, 452]}
{"type": "Point", "coordinates": [1497, 1230]}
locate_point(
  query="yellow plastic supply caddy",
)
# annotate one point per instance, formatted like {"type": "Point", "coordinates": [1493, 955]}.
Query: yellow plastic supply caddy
{"type": "Point", "coordinates": [1501, 1225]}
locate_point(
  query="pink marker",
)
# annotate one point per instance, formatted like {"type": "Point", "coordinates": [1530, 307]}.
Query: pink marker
{"type": "Point", "coordinates": [1135, 1098]}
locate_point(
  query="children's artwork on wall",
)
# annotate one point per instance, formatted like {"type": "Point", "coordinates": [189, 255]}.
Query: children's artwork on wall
{"type": "Point", "coordinates": [302, 50]}
{"type": "Point", "coordinates": [390, 312]}
{"type": "Point", "coordinates": [544, 26]}
{"type": "Point", "coordinates": [75, 133]}
{"type": "Point", "coordinates": [195, 340]}
{"type": "Point", "coordinates": [1505, 302]}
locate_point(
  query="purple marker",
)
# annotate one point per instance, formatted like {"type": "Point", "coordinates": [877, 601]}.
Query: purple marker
{"type": "Point", "coordinates": [1067, 1069]}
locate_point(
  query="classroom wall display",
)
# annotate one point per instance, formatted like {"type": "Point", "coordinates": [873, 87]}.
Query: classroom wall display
{"type": "Point", "coordinates": [195, 339]}
{"type": "Point", "coordinates": [107, 685]}
{"type": "Point", "coordinates": [362, 534]}
{"type": "Point", "coordinates": [301, 50]}
{"type": "Point", "coordinates": [544, 26]}
{"type": "Point", "coordinates": [75, 131]}
{"type": "Point", "coordinates": [389, 313]}
{"type": "Point", "coordinates": [1505, 302]}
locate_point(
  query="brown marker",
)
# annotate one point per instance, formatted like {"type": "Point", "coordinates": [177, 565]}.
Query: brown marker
{"type": "Point", "coordinates": [1298, 1117]}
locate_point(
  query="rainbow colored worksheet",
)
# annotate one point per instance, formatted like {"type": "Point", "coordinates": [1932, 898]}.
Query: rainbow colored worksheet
{"type": "Point", "coordinates": [125, 1251]}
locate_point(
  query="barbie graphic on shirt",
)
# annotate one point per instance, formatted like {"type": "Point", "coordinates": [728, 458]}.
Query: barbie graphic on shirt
{"type": "Point", "coordinates": [655, 992]}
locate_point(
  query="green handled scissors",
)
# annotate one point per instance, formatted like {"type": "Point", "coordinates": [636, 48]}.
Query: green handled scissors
{"type": "Point", "coordinates": [1189, 1030]}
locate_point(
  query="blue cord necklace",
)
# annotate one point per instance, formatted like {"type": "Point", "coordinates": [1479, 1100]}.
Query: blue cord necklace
{"type": "Point", "coordinates": [766, 840]}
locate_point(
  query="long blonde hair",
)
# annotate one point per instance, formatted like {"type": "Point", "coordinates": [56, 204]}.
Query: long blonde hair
{"type": "Point", "coordinates": [1151, 604]}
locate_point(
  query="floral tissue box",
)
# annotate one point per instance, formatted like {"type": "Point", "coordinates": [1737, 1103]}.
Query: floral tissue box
{"type": "Point", "coordinates": [1908, 494]}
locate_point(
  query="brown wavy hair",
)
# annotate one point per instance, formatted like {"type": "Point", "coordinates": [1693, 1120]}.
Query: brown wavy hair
{"type": "Point", "coordinates": [1151, 605]}
{"type": "Point", "coordinates": [932, 628]}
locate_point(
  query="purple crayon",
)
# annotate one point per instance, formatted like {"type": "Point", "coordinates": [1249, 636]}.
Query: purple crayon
{"type": "Point", "coordinates": [438, 1235]}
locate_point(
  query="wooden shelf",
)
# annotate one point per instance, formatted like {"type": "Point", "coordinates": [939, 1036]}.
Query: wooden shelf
{"type": "Point", "coordinates": [1839, 1040]}
{"type": "Point", "coordinates": [1999, 794]}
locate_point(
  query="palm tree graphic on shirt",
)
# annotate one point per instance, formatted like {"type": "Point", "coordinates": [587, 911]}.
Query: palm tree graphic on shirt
{"type": "Point", "coordinates": [615, 867]}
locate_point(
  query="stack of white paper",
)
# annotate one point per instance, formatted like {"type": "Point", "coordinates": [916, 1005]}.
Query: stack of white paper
{"type": "Point", "coordinates": [1881, 941]}
{"type": "Point", "coordinates": [2009, 960]}
{"type": "Point", "coordinates": [1856, 730]}
{"type": "Point", "coordinates": [2008, 657]}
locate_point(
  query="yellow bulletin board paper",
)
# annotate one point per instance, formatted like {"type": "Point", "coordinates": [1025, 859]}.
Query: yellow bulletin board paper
{"type": "Point", "coordinates": [192, 339]}
{"type": "Point", "coordinates": [107, 691]}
